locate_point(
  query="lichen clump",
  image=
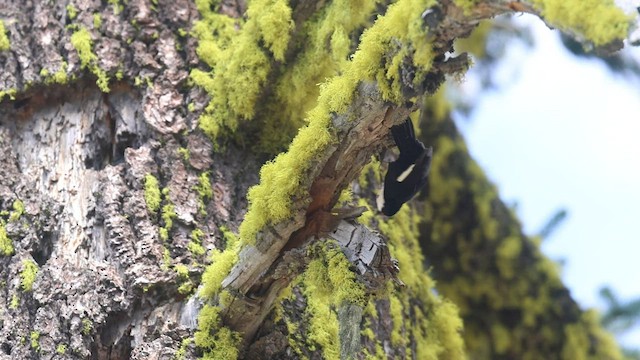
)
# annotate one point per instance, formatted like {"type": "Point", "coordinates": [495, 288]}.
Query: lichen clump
{"type": "Point", "coordinates": [240, 65]}
{"type": "Point", "coordinates": [283, 178]}
{"type": "Point", "coordinates": [28, 274]}
{"type": "Point", "coordinates": [82, 42]}
{"type": "Point", "coordinates": [4, 40]}
{"type": "Point", "coordinates": [152, 194]}
{"type": "Point", "coordinates": [600, 21]}
{"type": "Point", "coordinates": [6, 245]}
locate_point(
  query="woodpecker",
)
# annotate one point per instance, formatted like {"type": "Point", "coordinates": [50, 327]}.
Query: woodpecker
{"type": "Point", "coordinates": [408, 174]}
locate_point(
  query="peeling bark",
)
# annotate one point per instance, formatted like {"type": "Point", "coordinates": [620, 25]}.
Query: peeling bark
{"type": "Point", "coordinates": [117, 278]}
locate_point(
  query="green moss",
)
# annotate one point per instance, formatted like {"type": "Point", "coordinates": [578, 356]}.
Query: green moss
{"type": "Point", "coordinates": [600, 21]}
{"type": "Point", "coordinates": [97, 21]}
{"type": "Point", "coordinates": [28, 274]}
{"type": "Point", "coordinates": [82, 42]}
{"type": "Point", "coordinates": [168, 214]}
{"type": "Point", "coordinates": [507, 256]}
{"type": "Point", "coordinates": [4, 40]}
{"type": "Point", "coordinates": [204, 190]}
{"type": "Point", "coordinates": [166, 255]}
{"type": "Point", "coordinates": [59, 77]}
{"type": "Point", "coordinates": [182, 270]}
{"type": "Point", "coordinates": [221, 264]}
{"type": "Point", "coordinates": [436, 332]}
{"type": "Point", "coordinates": [187, 286]}
{"type": "Point", "coordinates": [6, 245]}
{"type": "Point", "coordinates": [182, 351]}
{"type": "Point", "coordinates": [61, 349]}
{"type": "Point", "coordinates": [18, 210]}
{"type": "Point", "coordinates": [35, 340]}
{"type": "Point", "coordinates": [15, 302]}
{"type": "Point", "coordinates": [216, 341]}
{"type": "Point", "coordinates": [195, 245]}
{"type": "Point", "coordinates": [327, 283]}
{"type": "Point", "coordinates": [284, 177]}
{"type": "Point", "coordinates": [329, 36]}
{"type": "Point", "coordinates": [72, 11]}
{"type": "Point", "coordinates": [11, 93]}
{"type": "Point", "coordinates": [184, 153]}
{"type": "Point", "coordinates": [273, 22]}
{"type": "Point", "coordinates": [204, 186]}
{"type": "Point", "coordinates": [87, 326]}
{"type": "Point", "coordinates": [152, 193]}
{"type": "Point", "coordinates": [395, 309]}
{"type": "Point", "coordinates": [117, 6]}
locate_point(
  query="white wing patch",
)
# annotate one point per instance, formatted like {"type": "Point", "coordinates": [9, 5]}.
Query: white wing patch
{"type": "Point", "coordinates": [405, 173]}
{"type": "Point", "coordinates": [380, 199]}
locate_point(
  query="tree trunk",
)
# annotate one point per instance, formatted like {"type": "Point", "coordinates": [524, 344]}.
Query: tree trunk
{"type": "Point", "coordinates": [133, 131]}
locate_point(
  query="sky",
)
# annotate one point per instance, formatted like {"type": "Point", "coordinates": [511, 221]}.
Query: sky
{"type": "Point", "coordinates": [564, 133]}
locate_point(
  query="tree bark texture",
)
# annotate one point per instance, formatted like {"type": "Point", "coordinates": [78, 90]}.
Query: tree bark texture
{"type": "Point", "coordinates": [132, 131]}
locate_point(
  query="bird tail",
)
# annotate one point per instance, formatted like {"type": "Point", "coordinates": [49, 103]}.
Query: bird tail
{"type": "Point", "coordinates": [403, 134]}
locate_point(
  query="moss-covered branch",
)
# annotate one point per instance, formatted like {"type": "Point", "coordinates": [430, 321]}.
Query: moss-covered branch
{"type": "Point", "coordinates": [510, 295]}
{"type": "Point", "coordinates": [398, 58]}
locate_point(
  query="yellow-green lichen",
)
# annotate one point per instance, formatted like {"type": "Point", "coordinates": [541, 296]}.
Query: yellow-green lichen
{"type": "Point", "coordinates": [28, 274]}
{"type": "Point", "coordinates": [273, 22]}
{"type": "Point", "coordinates": [152, 193]}
{"type": "Point", "coordinates": [216, 341]}
{"type": "Point", "coordinates": [329, 38]}
{"type": "Point", "coordinates": [205, 191]}
{"type": "Point", "coordinates": [507, 256]}
{"type": "Point", "coordinates": [117, 6]}
{"type": "Point", "coordinates": [4, 40]}
{"type": "Point", "coordinates": [18, 210]}
{"type": "Point", "coordinates": [15, 302]}
{"type": "Point", "coordinates": [87, 326]}
{"type": "Point", "coordinates": [182, 350]}
{"type": "Point", "coordinates": [282, 178]}
{"type": "Point", "coordinates": [600, 21]}
{"type": "Point", "coordinates": [184, 153]}
{"type": "Point", "coordinates": [204, 186]}
{"type": "Point", "coordinates": [72, 12]}
{"type": "Point", "coordinates": [221, 264]}
{"type": "Point", "coordinates": [11, 93]}
{"type": "Point", "coordinates": [35, 340]}
{"type": "Point", "coordinates": [97, 21]}
{"type": "Point", "coordinates": [436, 332]}
{"type": "Point", "coordinates": [166, 257]}
{"type": "Point", "coordinates": [58, 77]}
{"type": "Point", "coordinates": [395, 309]}
{"type": "Point", "coordinates": [6, 245]}
{"type": "Point", "coordinates": [183, 276]}
{"type": "Point", "coordinates": [168, 214]}
{"type": "Point", "coordinates": [186, 287]}
{"type": "Point", "coordinates": [195, 245]}
{"type": "Point", "coordinates": [61, 349]}
{"type": "Point", "coordinates": [82, 42]}
{"type": "Point", "coordinates": [327, 283]}
{"type": "Point", "coordinates": [239, 65]}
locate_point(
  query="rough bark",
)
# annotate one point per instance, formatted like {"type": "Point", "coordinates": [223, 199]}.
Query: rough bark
{"type": "Point", "coordinates": [109, 190]}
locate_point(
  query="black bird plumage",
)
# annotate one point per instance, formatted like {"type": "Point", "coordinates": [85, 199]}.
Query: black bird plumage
{"type": "Point", "coordinates": [408, 174]}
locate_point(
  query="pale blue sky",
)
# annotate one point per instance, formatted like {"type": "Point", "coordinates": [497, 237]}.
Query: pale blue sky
{"type": "Point", "coordinates": [563, 132]}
